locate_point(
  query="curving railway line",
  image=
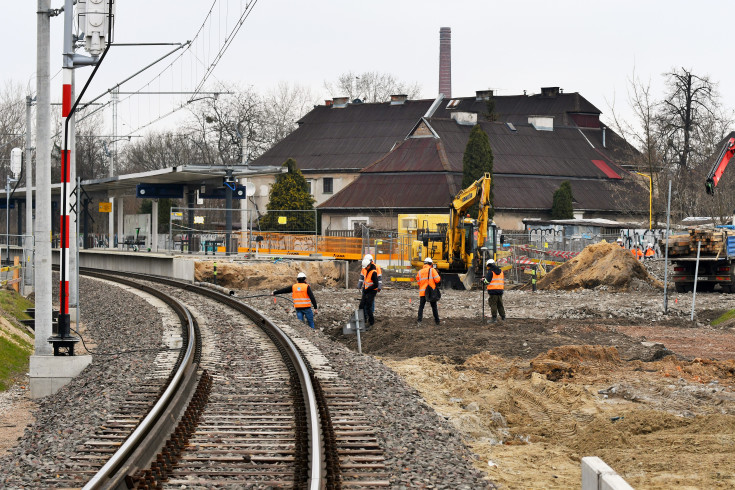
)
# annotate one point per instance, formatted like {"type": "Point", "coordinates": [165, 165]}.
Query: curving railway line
{"type": "Point", "coordinates": [243, 405]}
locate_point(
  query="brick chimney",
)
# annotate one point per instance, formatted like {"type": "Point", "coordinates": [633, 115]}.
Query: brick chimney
{"type": "Point", "coordinates": [445, 62]}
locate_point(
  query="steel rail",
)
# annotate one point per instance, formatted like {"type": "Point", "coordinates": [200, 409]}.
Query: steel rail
{"type": "Point", "coordinates": [317, 457]}
{"type": "Point", "coordinates": [109, 476]}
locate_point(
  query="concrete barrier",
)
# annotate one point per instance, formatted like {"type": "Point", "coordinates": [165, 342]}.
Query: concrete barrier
{"type": "Point", "coordinates": [596, 475]}
{"type": "Point", "coordinates": [140, 262]}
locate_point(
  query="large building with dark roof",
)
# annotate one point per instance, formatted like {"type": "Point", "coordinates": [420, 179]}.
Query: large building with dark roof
{"type": "Point", "coordinates": [370, 162]}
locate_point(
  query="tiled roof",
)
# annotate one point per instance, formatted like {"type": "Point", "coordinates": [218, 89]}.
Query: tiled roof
{"type": "Point", "coordinates": [528, 167]}
{"type": "Point", "coordinates": [347, 138]}
{"type": "Point", "coordinates": [435, 191]}
{"type": "Point", "coordinates": [353, 137]}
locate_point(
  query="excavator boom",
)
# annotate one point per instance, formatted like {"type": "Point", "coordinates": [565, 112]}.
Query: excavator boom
{"type": "Point", "coordinates": [726, 154]}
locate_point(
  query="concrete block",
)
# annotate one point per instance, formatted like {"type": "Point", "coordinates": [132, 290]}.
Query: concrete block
{"type": "Point", "coordinates": [49, 373]}
{"type": "Point", "coordinates": [613, 482]}
{"type": "Point", "coordinates": [592, 470]}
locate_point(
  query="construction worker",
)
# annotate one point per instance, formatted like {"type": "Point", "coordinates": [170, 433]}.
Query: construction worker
{"type": "Point", "coordinates": [495, 281]}
{"type": "Point", "coordinates": [637, 252]}
{"type": "Point", "coordinates": [368, 259]}
{"type": "Point", "coordinates": [427, 277]}
{"type": "Point", "coordinates": [369, 290]}
{"type": "Point", "coordinates": [619, 241]}
{"type": "Point", "coordinates": [650, 252]}
{"type": "Point", "coordinates": [303, 299]}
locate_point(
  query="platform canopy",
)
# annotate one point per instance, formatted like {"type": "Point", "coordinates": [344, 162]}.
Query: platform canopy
{"type": "Point", "coordinates": [189, 174]}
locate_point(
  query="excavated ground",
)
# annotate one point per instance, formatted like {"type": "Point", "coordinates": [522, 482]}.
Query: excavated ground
{"type": "Point", "coordinates": [591, 366]}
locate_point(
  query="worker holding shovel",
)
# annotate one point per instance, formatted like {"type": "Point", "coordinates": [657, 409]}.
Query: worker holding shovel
{"type": "Point", "coordinates": [369, 290]}
{"type": "Point", "coordinates": [303, 299]}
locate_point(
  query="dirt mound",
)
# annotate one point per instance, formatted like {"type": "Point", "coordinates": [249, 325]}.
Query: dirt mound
{"type": "Point", "coordinates": [269, 275]}
{"type": "Point", "coordinates": [601, 264]}
{"type": "Point", "coordinates": [565, 361]}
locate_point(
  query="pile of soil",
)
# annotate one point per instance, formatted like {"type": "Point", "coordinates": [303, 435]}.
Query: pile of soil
{"type": "Point", "coordinates": [270, 275]}
{"type": "Point", "coordinates": [601, 264]}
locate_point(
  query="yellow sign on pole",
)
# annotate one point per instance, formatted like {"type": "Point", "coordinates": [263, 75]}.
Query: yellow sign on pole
{"type": "Point", "coordinates": [199, 220]}
{"type": "Point", "coordinates": [281, 220]}
{"type": "Point", "coordinates": [105, 207]}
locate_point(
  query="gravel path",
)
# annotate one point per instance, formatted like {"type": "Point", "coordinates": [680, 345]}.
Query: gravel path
{"type": "Point", "coordinates": [423, 450]}
{"type": "Point", "coordinates": [116, 320]}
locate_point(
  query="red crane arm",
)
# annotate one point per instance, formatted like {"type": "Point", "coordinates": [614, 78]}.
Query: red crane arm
{"type": "Point", "coordinates": [718, 168]}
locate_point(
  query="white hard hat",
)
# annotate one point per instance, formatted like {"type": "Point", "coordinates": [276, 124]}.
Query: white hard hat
{"type": "Point", "coordinates": [619, 240]}
{"type": "Point", "coordinates": [366, 261]}
{"type": "Point", "coordinates": [428, 260]}
{"type": "Point", "coordinates": [490, 261]}
{"type": "Point", "coordinates": [367, 257]}
{"type": "Point", "coordinates": [301, 275]}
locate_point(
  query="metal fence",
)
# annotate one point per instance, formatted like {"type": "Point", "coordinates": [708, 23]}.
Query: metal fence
{"type": "Point", "coordinates": [18, 258]}
{"type": "Point", "coordinates": [204, 230]}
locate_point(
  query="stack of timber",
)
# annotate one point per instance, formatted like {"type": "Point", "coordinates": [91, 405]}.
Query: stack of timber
{"type": "Point", "coordinates": [713, 242]}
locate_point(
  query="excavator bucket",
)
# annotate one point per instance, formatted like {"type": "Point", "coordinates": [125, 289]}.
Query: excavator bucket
{"type": "Point", "coordinates": [468, 279]}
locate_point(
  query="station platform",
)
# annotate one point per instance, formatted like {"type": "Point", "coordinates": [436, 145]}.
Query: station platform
{"type": "Point", "coordinates": [176, 266]}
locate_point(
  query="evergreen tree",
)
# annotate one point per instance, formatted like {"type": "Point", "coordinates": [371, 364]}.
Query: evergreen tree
{"type": "Point", "coordinates": [477, 159]}
{"type": "Point", "coordinates": [561, 207]}
{"type": "Point", "coordinates": [290, 192]}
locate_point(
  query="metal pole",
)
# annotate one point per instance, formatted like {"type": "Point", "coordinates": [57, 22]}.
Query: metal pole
{"type": "Point", "coordinates": [228, 213]}
{"type": "Point", "coordinates": [696, 273]}
{"type": "Point", "coordinates": [42, 280]}
{"type": "Point", "coordinates": [482, 283]}
{"type": "Point", "coordinates": [358, 316]}
{"type": "Point", "coordinates": [666, 254]}
{"type": "Point", "coordinates": [76, 215]}
{"type": "Point", "coordinates": [7, 218]}
{"type": "Point", "coordinates": [28, 240]}
{"type": "Point", "coordinates": [113, 150]}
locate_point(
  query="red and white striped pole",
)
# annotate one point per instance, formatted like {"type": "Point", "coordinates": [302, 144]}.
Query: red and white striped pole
{"type": "Point", "coordinates": [65, 209]}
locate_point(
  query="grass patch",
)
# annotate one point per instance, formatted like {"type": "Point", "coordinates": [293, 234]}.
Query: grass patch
{"type": "Point", "coordinates": [14, 304]}
{"type": "Point", "coordinates": [723, 318]}
{"type": "Point", "coordinates": [15, 348]}
{"type": "Point", "coordinates": [13, 361]}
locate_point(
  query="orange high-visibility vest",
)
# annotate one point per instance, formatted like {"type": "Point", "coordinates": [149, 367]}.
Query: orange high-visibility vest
{"type": "Point", "coordinates": [300, 295]}
{"type": "Point", "coordinates": [498, 282]}
{"type": "Point", "coordinates": [369, 279]}
{"type": "Point", "coordinates": [650, 252]}
{"type": "Point", "coordinates": [637, 253]}
{"type": "Point", "coordinates": [427, 275]}
{"type": "Point", "coordinates": [377, 270]}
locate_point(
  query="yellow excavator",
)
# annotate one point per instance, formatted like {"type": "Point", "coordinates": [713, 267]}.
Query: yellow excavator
{"type": "Point", "coordinates": [454, 245]}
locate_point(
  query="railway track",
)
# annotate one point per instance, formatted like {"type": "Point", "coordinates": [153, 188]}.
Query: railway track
{"type": "Point", "coordinates": [256, 414]}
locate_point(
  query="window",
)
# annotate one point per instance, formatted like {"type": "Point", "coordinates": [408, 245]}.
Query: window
{"type": "Point", "coordinates": [310, 187]}
{"type": "Point", "coordinates": [328, 185]}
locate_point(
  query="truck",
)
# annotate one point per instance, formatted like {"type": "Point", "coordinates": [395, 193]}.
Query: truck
{"type": "Point", "coordinates": [713, 248]}
{"type": "Point", "coordinates": [716, 259]}
{"type": "Point", "coordinates": [455, 246]}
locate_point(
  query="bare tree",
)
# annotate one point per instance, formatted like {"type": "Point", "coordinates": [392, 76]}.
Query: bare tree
{"type": "Point", "coordinates": [371, 86]}
{"type": "Point", "coordinates": [91, 158]}
{"type": "Point", "coordinates": [159, 150]}
{"type": "Point", "coordinates": [221, 125]}
{"type": "Point", "coordinates": [12, 122]}
{"type": "Point", "coordinates": [284, 106]}
{"type": "Point", "coordinates": [691, 101]}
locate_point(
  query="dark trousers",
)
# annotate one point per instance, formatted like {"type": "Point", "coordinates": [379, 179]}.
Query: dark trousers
{"type": "Point", "coordinates": [367, 305]}
{"type": "Point", "coordinates": [496, 305]}
{"type": "Point", "coordinates": [434, 309]}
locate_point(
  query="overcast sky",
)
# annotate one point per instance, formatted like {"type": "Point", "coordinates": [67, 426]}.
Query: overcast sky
{"type": "Point", "coordinates": [584, 46]}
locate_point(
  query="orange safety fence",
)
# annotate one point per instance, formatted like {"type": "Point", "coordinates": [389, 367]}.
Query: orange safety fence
{"type": "Point", "coordinates": [346, 248]}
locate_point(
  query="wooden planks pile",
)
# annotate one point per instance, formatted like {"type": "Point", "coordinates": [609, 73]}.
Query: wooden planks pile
{"type": "Point", "coordinates": [713, 242]}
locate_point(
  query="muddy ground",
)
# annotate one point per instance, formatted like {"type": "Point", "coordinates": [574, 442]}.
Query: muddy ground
{"type": "Point", "coordinates": [591, 372]}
